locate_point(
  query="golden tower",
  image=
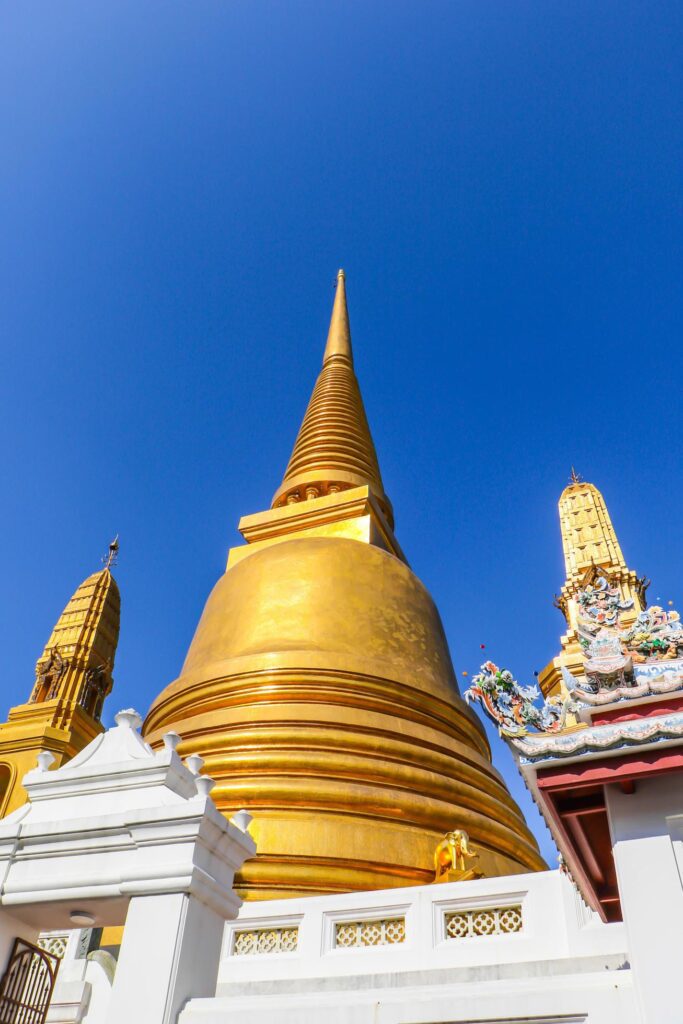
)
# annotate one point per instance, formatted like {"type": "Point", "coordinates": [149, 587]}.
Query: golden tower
{"type": "Point", "coordinates": [73, 677]}
{"type": "Point", "coordinates": [319, 687]}
{"type": "Point", "coordinates": [591, 551]}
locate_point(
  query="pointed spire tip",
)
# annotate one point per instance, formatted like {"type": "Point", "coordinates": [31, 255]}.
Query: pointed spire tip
{"type": "Point", "coordinates": [339, 336]}
{"type": "Point", "coordinates": [110, 558]}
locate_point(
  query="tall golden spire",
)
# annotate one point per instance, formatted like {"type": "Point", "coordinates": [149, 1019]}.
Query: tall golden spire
{"type": "Point", "coordinates": [591, 552]}
{"type": "Point", "coordinates": [73, 678]}
{"type": "Point", "coordinates": [334, 450]}
{"type": "Point", "coordinates": [76, 665]}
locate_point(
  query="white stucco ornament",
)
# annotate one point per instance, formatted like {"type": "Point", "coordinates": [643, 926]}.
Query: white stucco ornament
{"type": "Point", "coordinates": [128, 718]}
{"type": "Point", "coordinates": [45, 760]}
{"type": "Point", "coordinates": [171, 740]}
{"type": "Point", "coordinates": [205, 784]}
{"type": "Point", "coordinates": [242, 819]}
{"type": "Point", "coordinates": [195, 763]}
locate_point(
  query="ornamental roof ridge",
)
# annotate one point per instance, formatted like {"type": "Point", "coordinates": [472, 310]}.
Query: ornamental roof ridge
{"type": "Point", "coordinates": [602, 738]}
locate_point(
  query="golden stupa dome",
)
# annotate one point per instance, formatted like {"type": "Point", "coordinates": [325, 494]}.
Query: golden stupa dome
{"type": "Point", "coordinates": [366, 612]}
{"type": "Point", "coordinates": [320, 691]}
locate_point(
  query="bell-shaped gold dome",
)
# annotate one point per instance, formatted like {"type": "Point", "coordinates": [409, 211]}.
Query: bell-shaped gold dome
{"type": "Point", "coordinates": [320, 600]}
{"type": "Point", "coordinates": [320, 691]}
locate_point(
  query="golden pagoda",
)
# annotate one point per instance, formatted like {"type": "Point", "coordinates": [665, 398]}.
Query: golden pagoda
{"type": "Point", "coordinates": [73, 677]}
{"type": "Point", "coordinates": [319, 688]}
{"type": "Point", "coordinates": [591, 553]}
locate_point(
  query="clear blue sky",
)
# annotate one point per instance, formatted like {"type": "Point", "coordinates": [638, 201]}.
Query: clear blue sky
{"type": "Point", "coordinates": [179, 183]}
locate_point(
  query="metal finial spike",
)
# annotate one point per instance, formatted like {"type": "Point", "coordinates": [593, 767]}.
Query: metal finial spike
{"type": "Point", "coordinates": [112, 555]}
{"type": "Point", "coordinates": [575, 478]}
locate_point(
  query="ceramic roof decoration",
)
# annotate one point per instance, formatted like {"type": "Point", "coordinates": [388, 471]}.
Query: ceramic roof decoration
{"type": "Point", "coordinates": [512, 707]}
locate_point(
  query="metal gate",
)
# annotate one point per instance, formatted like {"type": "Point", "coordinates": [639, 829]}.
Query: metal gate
{"type": "Point", "coordinates": [26, 988]}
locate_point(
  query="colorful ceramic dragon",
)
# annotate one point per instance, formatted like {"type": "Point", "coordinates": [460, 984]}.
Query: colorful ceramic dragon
{"type": "Point", "coordinates": [512, 707]}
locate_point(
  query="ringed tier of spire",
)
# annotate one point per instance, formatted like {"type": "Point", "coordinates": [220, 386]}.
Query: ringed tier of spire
{"type": "Point", "coordinates": [334, 449]}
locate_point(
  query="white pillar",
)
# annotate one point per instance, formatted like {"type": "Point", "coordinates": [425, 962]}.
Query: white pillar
{"type": "Point", "coordinates": [650, 890]}
{"type": "Point", "coordinates": [170, 951]}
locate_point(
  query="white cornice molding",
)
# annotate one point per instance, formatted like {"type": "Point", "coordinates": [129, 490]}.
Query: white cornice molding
{"type": "Point", "coordinates": [120, 820]}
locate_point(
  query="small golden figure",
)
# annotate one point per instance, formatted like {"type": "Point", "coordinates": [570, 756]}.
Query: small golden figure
{"type": "Point", "coordinates": [449, 858]}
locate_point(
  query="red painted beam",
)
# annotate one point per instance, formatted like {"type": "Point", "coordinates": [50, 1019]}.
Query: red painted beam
{"type": "Point", "coordinates": [592, 866]}
{"type": "Point", "coordinates": [585, 850]}
{"type": "Point", "coordinates": [623, 714]}
{"type": "Point", "coordinates": [614, 769]}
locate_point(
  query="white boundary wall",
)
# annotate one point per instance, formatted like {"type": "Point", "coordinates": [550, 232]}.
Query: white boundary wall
{"type": "Point", "coordinates": [563, 965]}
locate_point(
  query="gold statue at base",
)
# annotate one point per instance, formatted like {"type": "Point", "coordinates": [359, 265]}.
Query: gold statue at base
{"type": "Point", "coordinates": [449, 858]}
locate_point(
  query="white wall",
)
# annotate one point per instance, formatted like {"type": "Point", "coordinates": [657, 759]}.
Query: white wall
{"type": "Point", "coordinates": [563, 963]}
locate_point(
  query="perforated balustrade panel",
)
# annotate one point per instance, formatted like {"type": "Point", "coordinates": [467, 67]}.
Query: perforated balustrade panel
{"type": "Point", "coordinates": [265, 940]}
{"type": "Point", "coordinates": [27, 984]}
{"type": "Point", "coordinates": [55, 944]}
{"type": "Point", "coordinates": [380, 932]}
{"type": "Point", "coordinates": [465, 924]}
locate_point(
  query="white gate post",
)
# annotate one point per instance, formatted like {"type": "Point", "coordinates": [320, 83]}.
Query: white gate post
{"type": "Point", "coordinates": [170, 952]}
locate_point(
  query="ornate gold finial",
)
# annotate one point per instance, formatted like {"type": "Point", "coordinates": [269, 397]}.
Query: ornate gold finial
{"type": "Point", "coordinates": [112, 555]}
{"type": "Point", "coordinates": [450, 855]}
{"type": "Point", "coordinates": [575, 478]}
